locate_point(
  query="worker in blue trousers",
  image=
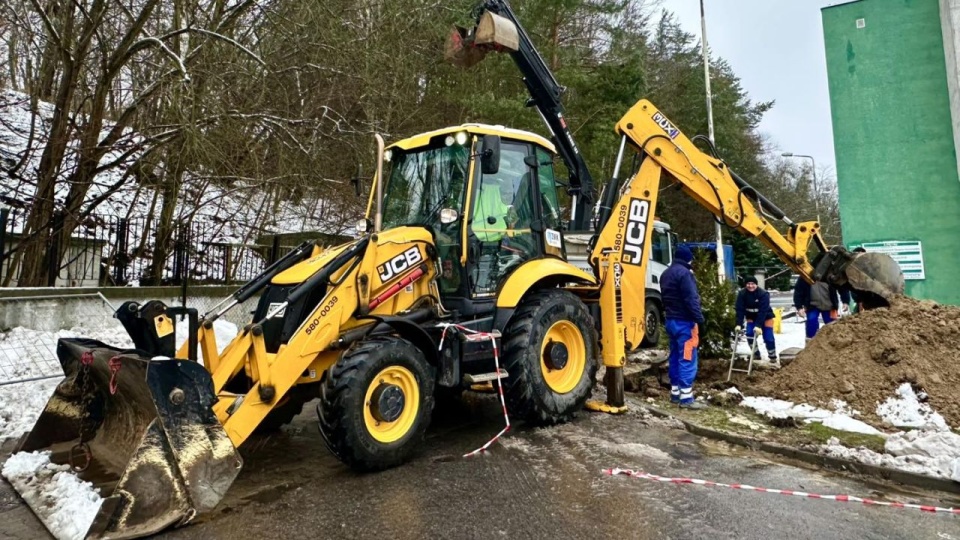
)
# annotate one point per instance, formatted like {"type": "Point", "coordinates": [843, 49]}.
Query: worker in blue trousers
{"type": "Point", "coordinates": [681, 302]}
{"type": "Point", "coordinates": [818, 301]}
{"type": "Point", "coordinates": [753, 307]}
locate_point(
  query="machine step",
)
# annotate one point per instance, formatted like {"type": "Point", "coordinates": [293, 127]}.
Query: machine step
{"type": "Point", "coordinates": [484, 377]}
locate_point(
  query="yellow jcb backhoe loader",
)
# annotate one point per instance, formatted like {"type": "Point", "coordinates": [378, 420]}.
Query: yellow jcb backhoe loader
{"type": "Point", "coordinates": [465, 229]}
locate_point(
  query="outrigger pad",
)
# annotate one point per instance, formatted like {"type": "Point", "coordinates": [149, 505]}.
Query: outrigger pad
{"type": "Point", "coordinates": [158, 453]}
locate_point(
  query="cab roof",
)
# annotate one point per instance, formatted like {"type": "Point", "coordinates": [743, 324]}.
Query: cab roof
{"type": "Point", "coordinates": [423, 139]}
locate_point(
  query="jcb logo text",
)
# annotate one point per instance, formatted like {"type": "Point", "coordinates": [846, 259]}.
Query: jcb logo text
{"type": "Point", "coordinates": [398, 264]}
{"type": "Point", "coordinates": [637, 219]}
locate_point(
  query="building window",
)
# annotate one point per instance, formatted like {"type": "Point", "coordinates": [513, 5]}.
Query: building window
{"type": "Point", "coordinates": [861, 23]}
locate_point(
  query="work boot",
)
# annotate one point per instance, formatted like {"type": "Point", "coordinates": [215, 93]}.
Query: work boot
{"type": "Point", "coordinates": [756, 355]}
{"type": "Point", "coordinates": [693, 406]}
{"type": "Point", "coordinates": [772, 355]}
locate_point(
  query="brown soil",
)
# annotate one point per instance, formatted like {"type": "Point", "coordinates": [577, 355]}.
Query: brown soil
{"type": "Point", "coordinates": [864, 358]}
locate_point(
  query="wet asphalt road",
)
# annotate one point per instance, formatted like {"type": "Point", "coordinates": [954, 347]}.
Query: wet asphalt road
{"type": "Point", "coordinates": [537, 483]}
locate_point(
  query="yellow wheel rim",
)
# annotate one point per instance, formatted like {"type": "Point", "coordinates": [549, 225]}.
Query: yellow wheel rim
{"type": "Point", "coordinates": [395, 378]}
{"type": "Point", "coordinates": [566, 378]}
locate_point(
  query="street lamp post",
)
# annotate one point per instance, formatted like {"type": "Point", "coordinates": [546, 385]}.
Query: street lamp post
{"type": "Point", "coordinates": [721, 272]}
{"type": "Point", "coordinates": [816, 190]}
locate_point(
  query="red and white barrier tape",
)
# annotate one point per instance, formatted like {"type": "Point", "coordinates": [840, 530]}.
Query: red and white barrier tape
{"type": "Point", "coordinates": [496, 361]}
{"type": "Point", "coordinates": [838, 498]}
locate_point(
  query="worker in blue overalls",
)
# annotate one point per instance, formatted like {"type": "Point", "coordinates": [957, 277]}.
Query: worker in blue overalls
{"type": "Point", "coordinates": [753, 307]}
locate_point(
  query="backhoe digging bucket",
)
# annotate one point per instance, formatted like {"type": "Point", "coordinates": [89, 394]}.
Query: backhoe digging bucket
{"type": "Point", "coordinates": [141, 431]}
{"type": "Point", "coordinates": [465, 48]}
{"type": "Point", "coordinates": [875, 274]}
{"type": "Point", "coordinates": [875, 277]}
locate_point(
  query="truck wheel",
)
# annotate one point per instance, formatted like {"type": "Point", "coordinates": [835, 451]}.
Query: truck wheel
{"type": "Point", "coordinates": [653, 324]}
{"type": "Point", "coordinates": [550, 352]}
{"type": "Point", "coordinates": [376, 402]}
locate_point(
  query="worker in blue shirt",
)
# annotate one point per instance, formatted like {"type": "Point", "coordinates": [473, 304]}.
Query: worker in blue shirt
{"type": "Point", "coordinates": [753, 307]}
{"type": "Point", "coordinates": [681, 302]}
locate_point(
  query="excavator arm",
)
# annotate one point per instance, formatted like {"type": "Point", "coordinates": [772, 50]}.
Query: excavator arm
{"type": "Point", "coordinates": [622, 243]}
{"type": "Point", "coordinates": [497, 29]}
{"type": "Point", "coordinates": [709, 181]}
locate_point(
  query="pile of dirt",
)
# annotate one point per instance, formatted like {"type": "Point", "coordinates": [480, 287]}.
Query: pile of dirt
{"type": "Point", "coordinates": [862, 360]}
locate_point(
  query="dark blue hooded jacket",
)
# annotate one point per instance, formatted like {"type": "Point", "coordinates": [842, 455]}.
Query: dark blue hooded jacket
{"type": "Point", "coordinates": [678, 288]}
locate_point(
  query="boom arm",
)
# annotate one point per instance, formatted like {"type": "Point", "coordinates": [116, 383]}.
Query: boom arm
{"type": "Point", "coordinates": [711, 183]}
{"type": "Point", "coordinates": [622, 248]}
{"type": "Point", "coordinates": [545, 95]}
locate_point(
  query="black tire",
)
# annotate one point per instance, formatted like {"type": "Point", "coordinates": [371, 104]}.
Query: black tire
{"type": "Point", "coordinates": [343, 404]}
{"type": "Point", "coordinates": [528, 394]}
{"type": "Point", "coordinates": [654, 324]}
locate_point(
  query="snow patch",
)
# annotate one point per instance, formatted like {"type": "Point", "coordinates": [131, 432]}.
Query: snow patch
{"type": "Point", "coordinates": [21, 405]}
{"type": "Point", "coordinates": [64, 503]}
{"type": "Point", "coordinates": [907, 411]}
{"type": "Point", "coordinates": [935, 454]}
{"type": "Point", "coordinates": [840, 419]}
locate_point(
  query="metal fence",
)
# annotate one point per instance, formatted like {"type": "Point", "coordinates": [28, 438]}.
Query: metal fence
{"type": "Point", "coordinates": [108, 250]}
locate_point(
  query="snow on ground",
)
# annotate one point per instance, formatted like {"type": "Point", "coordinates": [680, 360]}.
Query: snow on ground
{"type": "Point", "coordinates": [21, 405]}
{"type": "Point", "coordinates": [935, 454]}
{"type": "Point", "coordinates": [907, 411]}
{"type": "Point", "coordinates": [63, 502]}
{"type": "Point", "coordinates": [839, 419]}
{"type": "Point", "coordinates": [792, 334]}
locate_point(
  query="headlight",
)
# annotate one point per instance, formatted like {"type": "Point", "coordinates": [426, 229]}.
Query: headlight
{"type": "Point", "coordinates": [448, 215]}
{"type": "Point", "coordinates": [461, 138]}
{"type": "Point", "coordinates": [362, 226]}
{"type": "Point", "coordinates": [387, 155]}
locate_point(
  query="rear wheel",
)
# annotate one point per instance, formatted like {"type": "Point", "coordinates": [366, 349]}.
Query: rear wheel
{"type": "Point", "coordinates": [653, 324]}
{"type": "Point", "coordinates": [376, 402]}
{"type": "Point", "coordinates": [550, 352]}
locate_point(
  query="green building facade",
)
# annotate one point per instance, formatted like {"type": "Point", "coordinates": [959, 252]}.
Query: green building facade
{"type": "Point", "coordinates": [894, 97]}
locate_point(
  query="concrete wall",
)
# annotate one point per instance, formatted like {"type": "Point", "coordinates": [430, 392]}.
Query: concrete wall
{"type": "Point", "coordinates": [52, 309]}
{"type": "Point", "coordinates": [897, 168]}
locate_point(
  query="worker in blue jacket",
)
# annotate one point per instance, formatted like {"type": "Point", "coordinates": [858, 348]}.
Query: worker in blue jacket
{"type": "Point", "coordinates": [753, 307]}
{"type": "Point", "coordinates": [681, 302]}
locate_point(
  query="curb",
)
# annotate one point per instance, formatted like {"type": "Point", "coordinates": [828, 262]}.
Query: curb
{"type": "Point", "coordinates": [828, 462]}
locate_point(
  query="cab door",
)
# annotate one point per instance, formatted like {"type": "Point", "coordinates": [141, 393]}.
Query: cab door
{"type": "Point", "coordinates": [503, 217]}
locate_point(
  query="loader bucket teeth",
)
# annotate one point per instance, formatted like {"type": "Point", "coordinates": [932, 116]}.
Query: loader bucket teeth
{"type": "Point", "coordinates": [876, 275]}
{"type": "Point", "coordinates": [158, 453]}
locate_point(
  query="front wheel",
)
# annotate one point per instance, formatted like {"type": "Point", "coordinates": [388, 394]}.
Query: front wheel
{"type": "Point", "coordinates": [376, 402]}
{"type": "Point", "coordinates": [551, 354]}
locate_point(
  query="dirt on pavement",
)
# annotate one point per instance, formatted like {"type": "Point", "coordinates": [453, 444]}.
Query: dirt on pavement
{"type": "Point", "coordinates": [862, 360]}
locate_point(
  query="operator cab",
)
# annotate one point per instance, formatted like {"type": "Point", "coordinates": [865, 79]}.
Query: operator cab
{"type": "Point", "coordinates": [489, 196]}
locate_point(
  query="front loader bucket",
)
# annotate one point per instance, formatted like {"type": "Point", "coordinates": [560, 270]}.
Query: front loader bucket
{"type": "Point", "coordinates": [157, 453]}
{"type": "Point", "coordinates": [877, 274]}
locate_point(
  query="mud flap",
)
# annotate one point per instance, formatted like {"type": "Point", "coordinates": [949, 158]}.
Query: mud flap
{"type": "Point", "coordinates": [158, 454]}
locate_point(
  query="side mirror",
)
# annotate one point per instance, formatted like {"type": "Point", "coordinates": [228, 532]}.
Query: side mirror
{"type": "Point", "coordinates": [490, 154]}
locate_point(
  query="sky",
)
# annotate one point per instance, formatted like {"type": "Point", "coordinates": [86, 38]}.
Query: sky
{"type": "Point", "coordinates": [776, 48]}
